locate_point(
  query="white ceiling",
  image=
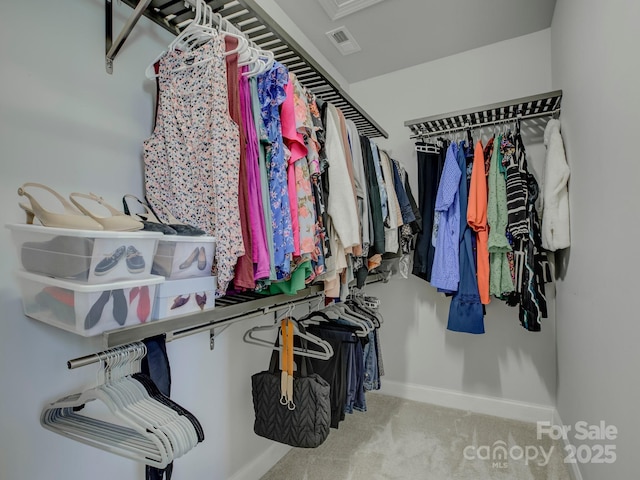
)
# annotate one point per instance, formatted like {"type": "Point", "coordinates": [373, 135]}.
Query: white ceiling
{"type": "Point", "coordinates": [396, 34]}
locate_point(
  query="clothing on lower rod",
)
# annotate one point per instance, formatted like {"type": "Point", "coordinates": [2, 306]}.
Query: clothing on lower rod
{"type": "Point", "coordinates": [156, 365]}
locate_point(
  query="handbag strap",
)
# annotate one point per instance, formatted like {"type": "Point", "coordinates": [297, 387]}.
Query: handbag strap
{"type": "Point", "coordinates": [290, 328]}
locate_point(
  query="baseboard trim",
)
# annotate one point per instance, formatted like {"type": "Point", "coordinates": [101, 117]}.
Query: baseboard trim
{"type": "Point", "coordinates": [574, 469]}
{"type": "Point", "coordinates": [514, 410]}
{"type": "Point", "coordinates": [262, 463]}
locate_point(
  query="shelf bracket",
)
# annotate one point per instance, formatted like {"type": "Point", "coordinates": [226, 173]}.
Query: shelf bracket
{"type": "Point", "coordinates": [112, 48]}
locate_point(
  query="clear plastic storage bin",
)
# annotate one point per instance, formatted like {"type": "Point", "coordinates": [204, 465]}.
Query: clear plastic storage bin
{"type": "Point", "coordinates": [87, 256]}
{"type": "Point", "coordinates": [87, 309]}
{"type": "Point", "coordinates": [180, 297]}
{"type": "Point", "coordinates": [180, 256]}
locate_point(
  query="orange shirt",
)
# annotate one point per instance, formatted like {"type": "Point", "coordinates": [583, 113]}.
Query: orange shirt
{"type": "Point", "coordinates": [477, 219]}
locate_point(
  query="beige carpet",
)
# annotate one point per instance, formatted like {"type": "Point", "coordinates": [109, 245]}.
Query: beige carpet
{"type": "Point", "coordinates": [401, 439]}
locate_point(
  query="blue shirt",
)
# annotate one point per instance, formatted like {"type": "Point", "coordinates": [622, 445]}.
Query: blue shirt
{"type": "Point", "coordinates": [446, 263]}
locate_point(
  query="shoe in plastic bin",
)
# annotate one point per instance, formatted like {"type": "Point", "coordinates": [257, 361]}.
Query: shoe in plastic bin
{"type": "Point", "coordinates": [88, 256]}
{"type": "Point", "coordinates": [180, 256]}
{"type": "Point", "coordinates": [87, 309]}
{"type": "Point", "coordinates": [185, 296]}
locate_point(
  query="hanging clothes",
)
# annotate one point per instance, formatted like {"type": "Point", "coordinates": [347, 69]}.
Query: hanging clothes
{"type": "Point", "coordinates": [500, 280]}
{"type": "Point", "coordinates": [192, 158]}
{"type": "Point", "coordinates": [465, 312]}
{"type": "Point", "coordinates": [446, 273]}
{"type": "Point", "coordinates": [430, 165]}
{"type": "Point", "coordinates": [243, 276]}
{"type": "Point", "coordinates": [271, 90]}
{"type": "Point", "coordinates": [295, 150]}
{"type": "Point", "coordinates": [516, 184]}
{"type": "Point", "coordinates": [263, 143]}
{"type": "Point", "coordinates": [306, 204]}
{"type": "Point", "coordinates": [341, 204]}
{"type": "Point", "coordinates": [555, 213]}
{"type": "Point", "coordinates": [394, 218]}
{"type": "Point", "coordinates": [260, 254]}
{"type": "Point", "coordinates": [477, 219]}
{"type": "Point", "coordinates": [376, 234]}
{"type": "Point", "coordinates": [533, 261]}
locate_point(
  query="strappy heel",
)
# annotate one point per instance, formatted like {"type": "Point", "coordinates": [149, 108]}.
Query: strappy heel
{"type": "Point", "coordinates": [117, 221]}
{"type": "Point", "coordinates": [71, 218]}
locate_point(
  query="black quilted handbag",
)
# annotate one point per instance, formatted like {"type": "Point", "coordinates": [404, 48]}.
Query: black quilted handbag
{"type": "Point", "coordinates": [307, 425]}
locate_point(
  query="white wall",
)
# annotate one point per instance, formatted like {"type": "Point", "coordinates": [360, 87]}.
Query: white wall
{"type": "Point", "coordinates": [66, 123]}
{"type": "Point", "coordinates": [594, 49]}
{"type": "Point", "coordinates": [507, 362]}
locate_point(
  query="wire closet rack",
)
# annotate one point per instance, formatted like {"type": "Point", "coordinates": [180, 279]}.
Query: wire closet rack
{"type": "Point", "coordinates": [257, 26]}
{"type": "Point", "coordinates": [535, 106]}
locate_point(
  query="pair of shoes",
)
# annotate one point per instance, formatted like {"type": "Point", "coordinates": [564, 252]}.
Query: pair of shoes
{"type": "Point", "coordinates": [116, 220]}
{"type": "Point", "coordinates": [70, 218]}
{"type": "Point", "coordinates": [148, 218]}
{"type": "Point", "coordinates": [144, 302]}
{"type": "Point", "coordinates": [79, 217]}
{"type": "Point", "coordinates": [134, 260]}
{"type": "Point", "coordinates": [199, 254]}
{"type": "Point", "coordinates": [120, 310]}
{"type": "Point", "coordinates": [173, 222]}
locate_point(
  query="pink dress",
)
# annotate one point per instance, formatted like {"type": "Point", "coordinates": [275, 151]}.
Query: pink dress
{"type": "Point", "coordinates": [296, 151]}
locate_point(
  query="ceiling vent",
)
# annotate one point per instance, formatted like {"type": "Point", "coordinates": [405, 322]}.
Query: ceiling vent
{"type": "Point", "coordinates": [343, 40]}
{"type": "Point", "coordinates": [340, 8]}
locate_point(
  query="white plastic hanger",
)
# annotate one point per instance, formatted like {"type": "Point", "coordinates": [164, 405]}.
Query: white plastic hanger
{"type": "Point", "coordinates": [325, 352]}
{"type": "Point", "coordinates": [144, 429]}
{"type": "Point", "coordinates": [365, 326]}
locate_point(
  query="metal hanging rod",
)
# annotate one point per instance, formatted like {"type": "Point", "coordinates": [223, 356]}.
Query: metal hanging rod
{"type": "Point", "coordinates": [227, 309]}
{"type": "Point", "coordinates": [545, 104]}
{"type": "Point", "coordinates": [485, 124]}
{"type": "Point", "coordinates": [222, 317]}
{"type": "Point", "coordinates": [99, 356]}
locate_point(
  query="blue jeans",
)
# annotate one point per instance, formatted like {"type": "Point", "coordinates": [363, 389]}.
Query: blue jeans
{"type": "Point", "coordinates": [371, 377]}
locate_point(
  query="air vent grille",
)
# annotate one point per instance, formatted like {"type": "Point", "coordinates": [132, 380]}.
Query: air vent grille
{"type": "Point", "coordinates": [343, 40]}
{"type": "Point", "coordinates": [340, 36]}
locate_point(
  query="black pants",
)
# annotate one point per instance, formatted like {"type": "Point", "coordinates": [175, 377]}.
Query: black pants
{"type": "Point", "coordinates": [429, 170]}
{"type": "Point", "coordinates": [334, 370]}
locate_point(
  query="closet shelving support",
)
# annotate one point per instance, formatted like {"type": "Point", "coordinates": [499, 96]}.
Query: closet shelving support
{"type": "Point", "coordinates": [228, 310]}
{"type": "Point", "coordinates": [542, 105]}
{"type": "Point", "coordinates": [258, 26]}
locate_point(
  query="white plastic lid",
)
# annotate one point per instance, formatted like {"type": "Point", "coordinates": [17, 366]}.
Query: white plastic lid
{"type": "Point", "coordinates": [72, 232]}
{"type": "Point", "coordinates": [188, 239]}
{"type": "Point", "coordinates": [84, 288]}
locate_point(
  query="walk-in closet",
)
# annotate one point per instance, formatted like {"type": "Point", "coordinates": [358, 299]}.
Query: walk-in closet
{"type": "Point", "coordinates": [309, 239]}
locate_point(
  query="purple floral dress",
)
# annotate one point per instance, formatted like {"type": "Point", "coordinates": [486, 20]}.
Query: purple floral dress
{"type": "Point", "coordinates": [271, 94]}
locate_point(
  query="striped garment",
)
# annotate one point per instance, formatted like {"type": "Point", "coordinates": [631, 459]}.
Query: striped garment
{"type": "Point", "coordinates": [516, 189]}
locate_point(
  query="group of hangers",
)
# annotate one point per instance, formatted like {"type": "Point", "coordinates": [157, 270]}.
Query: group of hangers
{"type": "Point", "coordinates": [357, 311]}
{"type": "Point", "coordinates": [322, 349]}
{"type": "Point", "coordinates": [353, 312]}
{"type": "Point", "coordinates": [207, 25]}
{"type": "Point", "coordinates": [467, 133]}
{"type": "Point", "coordinates": [147, 426]}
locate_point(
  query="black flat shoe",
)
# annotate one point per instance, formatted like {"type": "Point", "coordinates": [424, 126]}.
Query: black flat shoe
{"type": "Point", "coordinates": [148, 218]}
